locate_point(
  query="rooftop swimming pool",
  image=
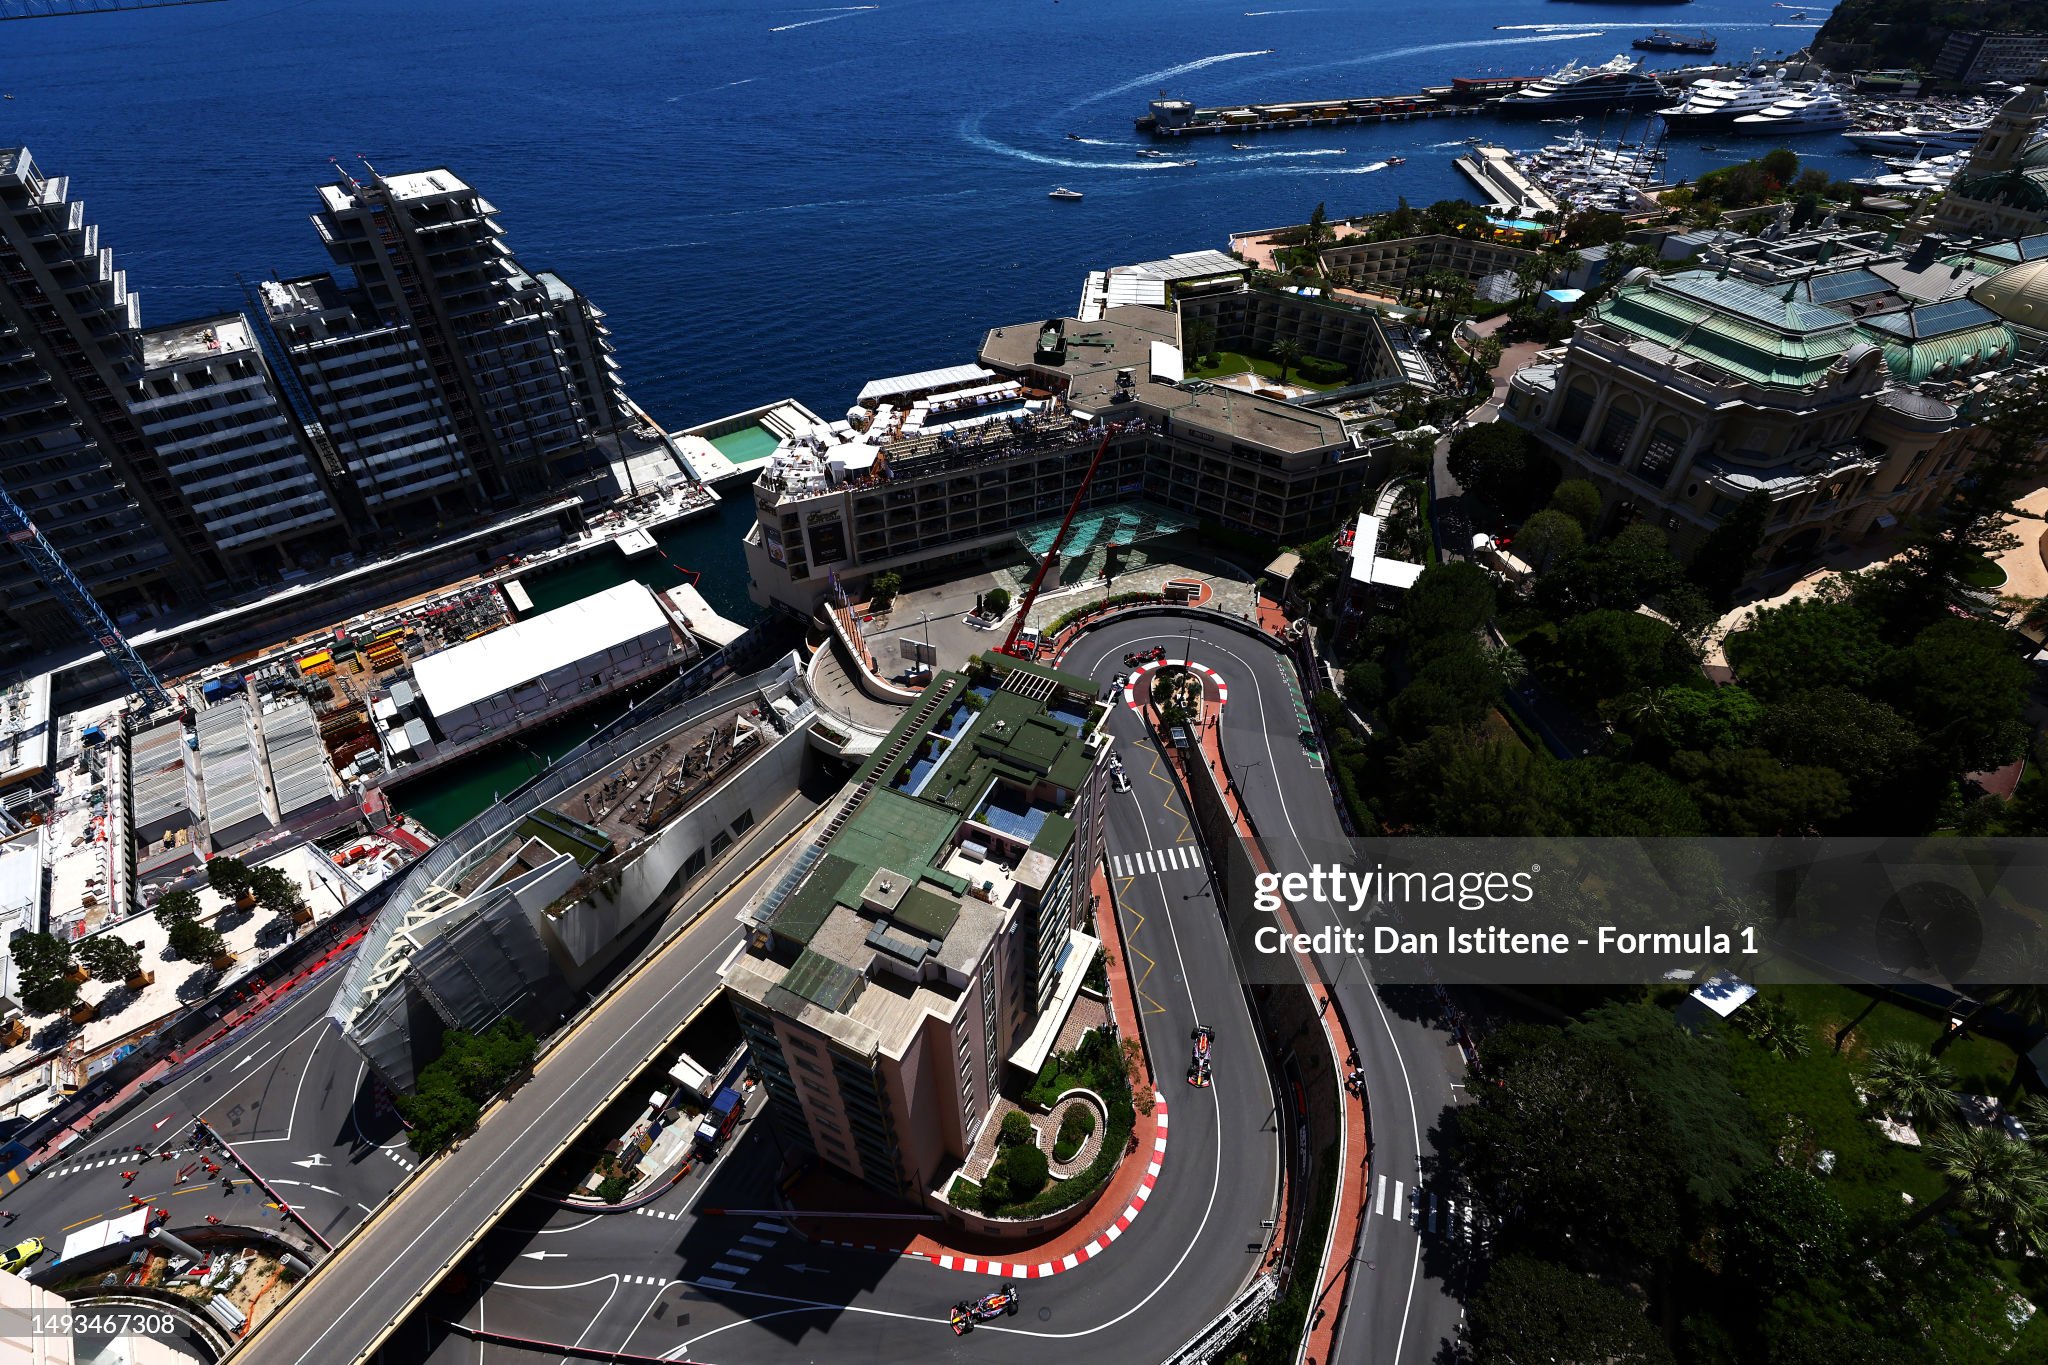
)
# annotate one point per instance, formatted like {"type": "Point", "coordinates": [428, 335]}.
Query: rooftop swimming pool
{"type": "Point", "coordinates": [1004, 814]}
{"type": "Point", "coordinates": [749, 443]}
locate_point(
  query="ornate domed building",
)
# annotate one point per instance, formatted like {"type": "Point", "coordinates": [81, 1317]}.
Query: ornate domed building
{"type": "Point", "coordinates": [2003, 190]}
{"type": "Point", "coordinates": [2020, 297]}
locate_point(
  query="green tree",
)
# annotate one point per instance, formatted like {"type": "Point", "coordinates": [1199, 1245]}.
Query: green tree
{"type": "Point", "coordinates": [1992, 1179]}
{"type": "Point", "coordinates": [1674, 718]}
{"type": "Point", "coordinates": [1579, 500]}
{"type": "Point", "coordinates": [1453, 599]}
{"type": "Point", "coordinates": [1683, 1079]}
{"type": "Point", "coordinates": [1781, 165]}
{"type": "Point", "coordinates": [110, 959]}
{"type": "Point", "coordinates": [1722, 562]}
{"type": "Point", "coordinates": [1774, 1025]}
{"type": "Point", "coordinates": [192, 941]}
{"type": "Point", "coordinates": [228, 876]}
{"type": "Point", "coordinates": [1962, 685]}
{"type": "Point", "coordinates": [43, 964]}
{"type": "Point", "coordinates": [1022, 1172]}
{"type": "Point", "coordinates": [438, 1113]}
{"type": "Point", "coordinates": [1782, 651]}
{"type": "Point", "coordinates": [1497, 789]}
{"type": "Point", "coordinates": [1497, 461]}
{"type": "Point", "coordinates": [1546, 537]}
{"type": "Point", "coordinates": [1532, 1310]}
{"type": "Point", "coordinates": [1907, 1083]}
{"type": "Point", "coordinates": [1318, 230]}
{"type": "Point", "coordinates": [1602, 798]}
{"type": "Point", "coordinates": [882, 589]}
{"type": "Point", "coordinates": [1557, 1140]}
{"type": "Point", "coordinates": [1456, 687]}
{"type": "Point", "coordinates": [1622, 573]}
{"type": "Point", "coordinates": [1748, 792]}
{"type": "Point", "coordinates": [176, 907]}
{"type": "Point", "coordinates": [1286, 350]}
{"type": "Point", "coordinates": [1784, 1227]}
{"type": "Point", "coordinates": [1606, 653]}
{"type": "Point", "coordinates": [275, 890]}
{"type": "Point", "coordinates": [1016, 1129]}
{"type": "Point", "coordinates": [996, 601]}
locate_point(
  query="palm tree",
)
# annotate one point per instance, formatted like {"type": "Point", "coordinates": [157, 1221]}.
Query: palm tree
{"type": "Point", "coordinates": [1530, 276]}
{"type": "Point", "coordinates": [1999, 1182]}
{"type": "Point", "coordinates": [1773, 1025]}
{"type": "Point", "coordinates": [1907, 1083]}
{"type": "Point", "coordinates": [1286, 351]}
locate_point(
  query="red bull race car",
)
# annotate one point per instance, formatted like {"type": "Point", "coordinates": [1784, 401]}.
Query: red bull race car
{"type": "Point", "coordinates": [967, 1312]}
{"type": "Point", "coordinates": [1198, 1064]}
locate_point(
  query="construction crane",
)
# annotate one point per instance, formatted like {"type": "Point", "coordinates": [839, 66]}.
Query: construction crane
{"type": "Point", "coordinates": [57, 9]}
{"type": "Point", "coordinates": [85, 610]}
{"type": "Point", "coordinates": [1010, 645]}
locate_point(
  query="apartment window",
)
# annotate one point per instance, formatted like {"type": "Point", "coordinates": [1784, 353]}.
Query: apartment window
{"type": "Point", "coordinates": [1660, 452]}
{"type": "Point", "coordinates": [720, 842]}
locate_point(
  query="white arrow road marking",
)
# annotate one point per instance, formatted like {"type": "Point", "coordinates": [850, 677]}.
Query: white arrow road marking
{"type": "Point", "coordinates": [314, 1160]}
{"type": "Point", "coordinates": [544, 1255]}
{"type": "Point", "coordinates": [800, 1268]}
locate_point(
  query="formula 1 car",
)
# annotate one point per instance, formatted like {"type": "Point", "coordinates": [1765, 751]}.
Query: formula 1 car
{"type": "Point", "coordinates": [1144, 656]}
{"type": "Point", "coordinates": [967, 1312]}
{"type": "Point", "coordinates": [1198, 1064]}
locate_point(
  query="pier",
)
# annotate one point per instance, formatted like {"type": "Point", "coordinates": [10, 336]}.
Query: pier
{"type": "Point", "coordinates": [1492, 168]}
{"type": "Point", "coordinates": [1464, 95]}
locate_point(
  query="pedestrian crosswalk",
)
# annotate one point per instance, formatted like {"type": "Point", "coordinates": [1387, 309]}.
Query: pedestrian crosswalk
{"type": "Point", "coordinates": [1178, 857]}
{"type": "Point", "coordinates": [733, 1263]}
{"type": "Point", "coordinates": [1450, 1217]}
{"type": "Point", "coordinates": [129, 1158]}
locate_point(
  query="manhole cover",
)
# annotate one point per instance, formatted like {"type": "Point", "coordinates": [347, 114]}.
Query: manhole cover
{"type": "Point", "coordinates": [1045, 1315]}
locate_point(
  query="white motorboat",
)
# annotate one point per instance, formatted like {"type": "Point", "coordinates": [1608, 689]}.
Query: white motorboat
{"type": "Point", "coordinates": [1062, 192]}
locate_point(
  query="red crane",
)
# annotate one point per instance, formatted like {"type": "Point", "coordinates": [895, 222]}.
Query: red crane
{"type": "Point", "coordinates": [1010, 645]}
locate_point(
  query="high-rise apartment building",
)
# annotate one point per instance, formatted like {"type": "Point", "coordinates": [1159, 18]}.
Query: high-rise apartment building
{"type": "Point", "coordinates": [935, 937]}
{"type": "Point", "coordinates": [378, 404]}
{"type": "Point", "coordinates": [70, 452]}
{"type": "Point", "coordinates": [427, 255]}
{"type": "Point", "coordinates": [210, 408]}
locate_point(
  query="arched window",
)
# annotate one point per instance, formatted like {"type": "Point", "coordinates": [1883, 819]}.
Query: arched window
{"type": "Point", "coordinates": [1578, 406]}
{"type": "Point", "coordinates": [1618, 429]}
{"type": "Point", "coordinates": [1661, 451]}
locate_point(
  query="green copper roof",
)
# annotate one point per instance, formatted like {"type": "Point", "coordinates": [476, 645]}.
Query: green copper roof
{"type": "Point", "coordinates": [1940, 340]}
{"type": "Point", "coordinates": [1755, 334]}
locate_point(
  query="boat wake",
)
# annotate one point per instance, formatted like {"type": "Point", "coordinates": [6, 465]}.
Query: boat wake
{"type": "Point", "coordinates": [1095, 141]}
{"type": "Point", "coordinates": [970, 133]}
{"type": "Point", "coordinates": [1275, 156]}
{"type": "Point", "coordinates": [1256, 13]}
{"type": "Point", "coordinates": [844, 12]}
{"type": "Point", "coordinates": [1424, 49]}
{"type": "Point", "coordinates": [1154, 78]}
{"type": "Point", "coordinates": [1550, 28]}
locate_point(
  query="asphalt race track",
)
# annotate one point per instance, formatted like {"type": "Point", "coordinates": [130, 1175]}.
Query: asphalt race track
{"type": "Point", "coordinates": [670, 1281]}
{"type": "Point", "coordinates": [1405, 1308]}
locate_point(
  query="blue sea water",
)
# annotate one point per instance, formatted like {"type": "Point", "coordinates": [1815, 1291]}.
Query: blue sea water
{"type": "Point", "coordinates": [772, 199]}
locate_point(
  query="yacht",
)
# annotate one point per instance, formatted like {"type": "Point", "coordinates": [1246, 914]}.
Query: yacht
{"type": "Point", "coordinates": [1814, 110]}
{"type": "Point", "coordinates": [1153, 153]}
{"type": "Point", "coordinates": [1716, 104]}
{"type": "Point", "coordinates": [1960, 137]}
{"type": "Point", "coordinates": [1618, 84]}
{"type": "Point", "coordinates": [1663, 40]}
{"type": "Point", "coordinates": [1062, 192]}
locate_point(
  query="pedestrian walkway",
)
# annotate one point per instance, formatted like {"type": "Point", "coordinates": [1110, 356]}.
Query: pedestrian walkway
{"type": "Point", "coordinates": [1179, 857]}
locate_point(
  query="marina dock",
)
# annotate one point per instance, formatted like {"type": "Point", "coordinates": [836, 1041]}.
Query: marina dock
{"type": "Point", "coordinates": [1492, 168]}
{"type": "Point", "coordinates": [1464, 95]}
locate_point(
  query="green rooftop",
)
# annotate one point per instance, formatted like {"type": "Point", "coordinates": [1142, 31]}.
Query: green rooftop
{"type": "Point", "coordinates": [894, 831]}
{"type": "Point", "coordinates": [927, 912]}
{"type": "Point", "coordinates": [1754, 334]}
{"type": "Point", "coordinates": [818, 980]}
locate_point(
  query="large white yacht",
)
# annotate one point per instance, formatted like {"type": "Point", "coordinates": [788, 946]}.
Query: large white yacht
{"type": "Point", "coordinates": [1618, 84]}
{"type": "Point", "coordinates": [1716, 104]}
{"type": "Point", "coordinates": [1814, 110]}
{"type": "Point", "coordinates": [1958, 137]}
